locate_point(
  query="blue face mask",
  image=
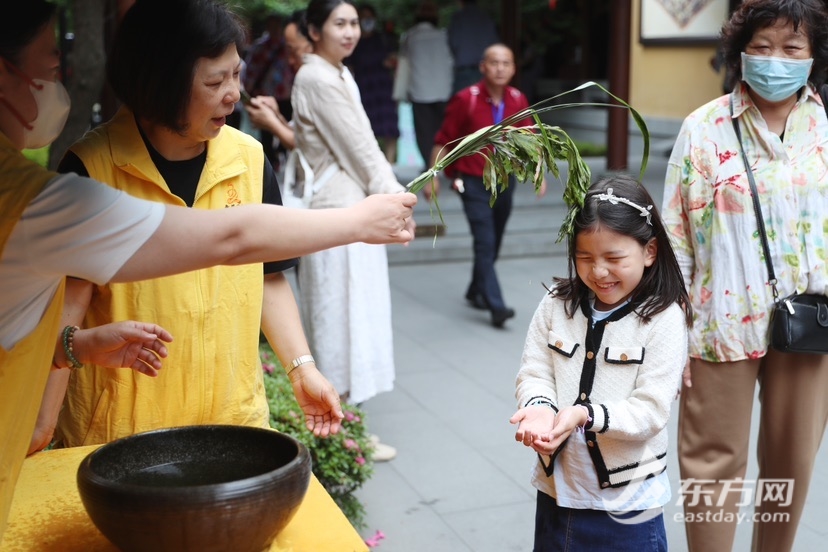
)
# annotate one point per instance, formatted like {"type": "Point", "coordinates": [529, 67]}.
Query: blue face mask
{"type": "Point", "coordinates": [773, 78]}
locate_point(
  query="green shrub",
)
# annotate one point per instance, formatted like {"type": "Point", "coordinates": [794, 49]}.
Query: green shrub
{"type": "Point", "coordinates": [591, 149]}
{"type": "Point", "coordinates": [342, 462]}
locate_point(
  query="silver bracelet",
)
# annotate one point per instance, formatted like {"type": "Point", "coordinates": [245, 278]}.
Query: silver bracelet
{"type": "Point", "coordinates": [299, 361]}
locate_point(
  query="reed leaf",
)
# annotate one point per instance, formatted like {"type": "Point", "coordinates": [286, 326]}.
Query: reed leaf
{"type": "Point", "coordinates": [529, 152]}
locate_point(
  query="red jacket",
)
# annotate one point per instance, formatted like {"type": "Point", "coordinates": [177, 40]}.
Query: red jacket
{"type": "Point", "coordinates": [469, 110]}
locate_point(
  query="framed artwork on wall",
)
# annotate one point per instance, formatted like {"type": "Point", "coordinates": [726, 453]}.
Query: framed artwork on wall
{"type": "Point", "coordinates": [682, 22]}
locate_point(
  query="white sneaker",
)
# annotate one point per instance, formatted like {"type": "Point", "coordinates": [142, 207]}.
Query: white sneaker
{"type": "Point", "coordinates": [381, 452]}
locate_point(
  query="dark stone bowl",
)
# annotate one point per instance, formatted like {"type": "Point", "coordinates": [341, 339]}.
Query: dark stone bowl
{"type": "Point", "coordinates": [205, 488]}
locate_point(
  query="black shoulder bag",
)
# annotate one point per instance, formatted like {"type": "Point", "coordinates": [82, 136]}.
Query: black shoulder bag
{"type": "Point", "coordinates": [798, 323]}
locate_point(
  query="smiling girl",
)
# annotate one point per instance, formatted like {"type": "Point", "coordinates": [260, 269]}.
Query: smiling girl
{"type": "Point", "coordinates": [604, 356]}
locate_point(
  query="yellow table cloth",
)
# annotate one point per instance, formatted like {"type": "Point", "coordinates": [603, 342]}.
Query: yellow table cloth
{"type": "Point", "coordinates": [47, 514]}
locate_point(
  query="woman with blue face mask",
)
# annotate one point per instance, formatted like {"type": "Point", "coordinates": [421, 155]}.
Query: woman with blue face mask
{"type": "Point", "coordinates": [779, 51]}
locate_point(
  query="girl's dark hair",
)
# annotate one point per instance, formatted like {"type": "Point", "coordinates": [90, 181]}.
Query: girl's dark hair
{"type": "Point", "coordinates": [20, 27]}
{"type": "Point", "coordinates": [753, 15]}
{"type": "Point", "coordinates": [154, 55]}
{"type": "Point", "coordinates": [662, 283]}
{"type": "Point", "coordinates": [318, 12]}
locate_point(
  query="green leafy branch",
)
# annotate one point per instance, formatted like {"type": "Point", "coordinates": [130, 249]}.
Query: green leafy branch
{"type": "Point", "coordinates": [529, 152]}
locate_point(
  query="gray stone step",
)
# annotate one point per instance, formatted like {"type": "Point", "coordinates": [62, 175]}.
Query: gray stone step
{"type": "Point", "coordinates": [533, 226]}
{"type": "Point", "coordinates": [532, 229]}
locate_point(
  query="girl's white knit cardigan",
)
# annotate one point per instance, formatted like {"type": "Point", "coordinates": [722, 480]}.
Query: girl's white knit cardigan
{"type": "Point", "coordinates": [624, 370]}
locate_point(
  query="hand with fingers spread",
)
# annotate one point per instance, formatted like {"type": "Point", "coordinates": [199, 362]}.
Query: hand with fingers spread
{"type": "Point", "coordinates": [540, 428]}
{"type": "Point", "coordinates": [318, 400]}
{"type": "Point", "coordinates": [136, 345]}
{"type": "Point", "coordinates": [533, 423]}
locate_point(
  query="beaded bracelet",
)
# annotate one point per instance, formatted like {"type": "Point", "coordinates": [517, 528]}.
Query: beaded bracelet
{"type": "Point", "coordinates": [69, 346]}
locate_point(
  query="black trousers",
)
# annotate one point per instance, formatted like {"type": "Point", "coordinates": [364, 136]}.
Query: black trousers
{"type": "Point", "coordinates": [487, 225]}
{"type": "Point", "coordinates": [427, 120]}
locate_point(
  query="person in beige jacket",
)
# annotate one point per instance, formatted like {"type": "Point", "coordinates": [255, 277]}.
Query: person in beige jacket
{"type": "Point", "coordinates": [345, 295]}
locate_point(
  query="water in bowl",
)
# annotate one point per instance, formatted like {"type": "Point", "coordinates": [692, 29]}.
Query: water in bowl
{"type": "Point", "coordinates": [190, 473]}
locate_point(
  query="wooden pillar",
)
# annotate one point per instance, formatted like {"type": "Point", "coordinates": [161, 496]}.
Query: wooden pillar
{"type": "Point", "coordinates": [619, 84]}
{"type": "Point", "coordinates": [123, 6]}
{"type": "Point", "coordinates": [114, 13]}
{"type": "Point", "coordinates": [585, 69]}
{"type": "Point", "coordinates": [510, 30]}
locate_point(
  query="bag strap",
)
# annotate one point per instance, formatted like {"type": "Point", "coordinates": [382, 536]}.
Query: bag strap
{"type": "Point", "coordinates": [823, 93]}
{"type": "Point", "coordinates": [295, 156]}
{"type": "Point", "coordinates": [311, 183]}
{"type": "Point", "coordinates": [475, 92]}
{"type": "Point", "coordinates": [760, 222]}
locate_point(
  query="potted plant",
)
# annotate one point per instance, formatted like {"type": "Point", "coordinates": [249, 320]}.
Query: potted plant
{"type": "Point", "coordinates": [342, 462]}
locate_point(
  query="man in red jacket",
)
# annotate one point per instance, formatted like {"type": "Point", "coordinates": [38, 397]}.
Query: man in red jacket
{"type": "Point", "coordinates": [483, 104]}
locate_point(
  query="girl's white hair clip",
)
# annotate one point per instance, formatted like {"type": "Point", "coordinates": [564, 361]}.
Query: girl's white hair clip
{"type": "Point", "coordinates": [615, 200]}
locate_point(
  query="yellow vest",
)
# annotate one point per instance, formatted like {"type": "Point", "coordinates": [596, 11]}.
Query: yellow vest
{"type": "Point", "coordinates": [24, 369]}
{"type": "Point", "coordinates": [213, 373]}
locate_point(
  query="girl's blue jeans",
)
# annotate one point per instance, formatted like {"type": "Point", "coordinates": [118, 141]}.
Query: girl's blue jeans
{"type": "Point", "coordinates": [559, 529]}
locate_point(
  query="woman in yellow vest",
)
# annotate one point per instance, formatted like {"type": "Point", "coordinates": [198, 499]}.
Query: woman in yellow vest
{"type": "Point", "coordinates": [169, 143]}
{"type": "Point", "coordinates": [52, 225]}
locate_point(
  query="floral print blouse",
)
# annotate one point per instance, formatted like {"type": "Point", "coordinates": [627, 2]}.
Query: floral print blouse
{"type": "Point", "coordinates": [708, 212]}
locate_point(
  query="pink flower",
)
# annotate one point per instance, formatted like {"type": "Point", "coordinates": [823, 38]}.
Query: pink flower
{"type": "Point", "coordinates": [375, 540]}
{"type": "Point", "coordinates": [350, 444]}
{"type": "Point", "coordinates": [360, 460]}
{"type": "Point", "coordinates": [349, 416]}
{"type": "Point", "coordinates": [267, 367]}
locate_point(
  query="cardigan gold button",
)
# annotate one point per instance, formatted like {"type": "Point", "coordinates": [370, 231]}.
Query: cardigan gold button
{"type": "Point", "coordinates": [624, 356]}
{"type": "Point", "coordinates": [605, 484]}
{"type": "Point", "coordinates": [590, 355]}
{"type": "Point", "coordinates": [590, 444]}
{"type": "Point", "coordinates": [583, 396]}
{"type": "Point", "coordinates": [559, 344]}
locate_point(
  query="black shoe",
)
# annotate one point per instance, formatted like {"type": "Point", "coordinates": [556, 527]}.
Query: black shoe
{"type": "Point", "coordinates": [500, 316]}
{"type": "Point", "coordinates": [476, 301]}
